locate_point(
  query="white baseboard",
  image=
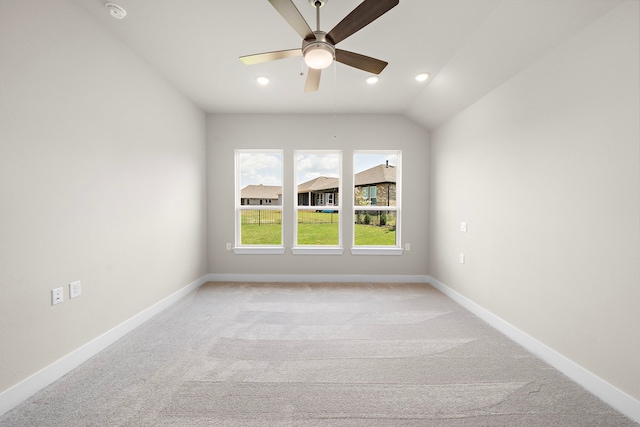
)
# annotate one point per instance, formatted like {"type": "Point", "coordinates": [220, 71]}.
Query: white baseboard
{"type": "Point", "coordinates": [15, 395]}
{"type": "Point", "coordinates": [314, 278]}
{"type": "Point", "coordinates": [608, 393]}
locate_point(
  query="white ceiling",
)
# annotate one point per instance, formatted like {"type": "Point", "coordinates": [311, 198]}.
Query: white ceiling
{"type": "Point", "coordinates": [468, 46]}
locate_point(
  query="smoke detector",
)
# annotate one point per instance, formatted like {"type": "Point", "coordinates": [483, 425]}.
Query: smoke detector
{"type": "Point", "coordinates": [115, 10]}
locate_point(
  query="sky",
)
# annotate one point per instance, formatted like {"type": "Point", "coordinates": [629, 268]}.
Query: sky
{"type": "Point", "coordinates": [260, 168]}
{"type": "Point", "coordinates": [266, 168]}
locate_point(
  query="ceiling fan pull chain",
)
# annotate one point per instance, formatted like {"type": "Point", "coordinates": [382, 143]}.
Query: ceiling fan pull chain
{"type": "Point", "coordinates": [335, 101]}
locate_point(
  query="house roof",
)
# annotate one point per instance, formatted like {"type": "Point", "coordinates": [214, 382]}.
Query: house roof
{"type": "Point", "coordinates": [318, 184]}
{"type": "Point", "coordinates": [376, 175]}
{"type": "Point", "coordinates": [261, 192]}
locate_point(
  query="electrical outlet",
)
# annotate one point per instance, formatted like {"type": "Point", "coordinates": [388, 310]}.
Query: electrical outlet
{"type": "Point", "coordinates": [228, 246]}
{"type": "Point", "coordinates": [463, 227]}
{"type": "Point", "coordinates": [407, 246]}
{"type": "Point", "coordinates": [57, 296]}
{"type": "Point", "coordinates": [74, 289]}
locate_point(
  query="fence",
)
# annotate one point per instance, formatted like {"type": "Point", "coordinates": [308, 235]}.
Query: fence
{"type": "Point", "coordinates": [264, 217]}
{"type": "Point", "coordinates": [260, 217]}
{"type": "Point", "coordinates": [311, 217]}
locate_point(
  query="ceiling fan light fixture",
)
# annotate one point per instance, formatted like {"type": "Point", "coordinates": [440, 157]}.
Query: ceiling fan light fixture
{"type": "Point", "coordinates": [318, 55]}
{"type": "Point", "coordinates": [422, 77]}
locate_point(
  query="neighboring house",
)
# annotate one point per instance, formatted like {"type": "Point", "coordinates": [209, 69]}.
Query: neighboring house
{"type": "Point", "coordinates": [321, 191]}
{"type": "Point", "coordinates": [261, 195]}
{"type": "Point", "coordinates": [376, 186]}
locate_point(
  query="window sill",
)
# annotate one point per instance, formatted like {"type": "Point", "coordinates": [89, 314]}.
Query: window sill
{"type": "Point", "coordinates": [259, 250]}
{"type": "Point", "coordinates": [317, 250]}
{"type": "Point", "coordinates": [376, 251]}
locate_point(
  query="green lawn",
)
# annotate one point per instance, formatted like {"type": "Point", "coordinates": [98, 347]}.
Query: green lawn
{"type": "Point", "coordinates": [371, 235]}
{"type": "Point", "coordinates": [318, 234]}
{"type": "Point", "coordinates": [266, 234]}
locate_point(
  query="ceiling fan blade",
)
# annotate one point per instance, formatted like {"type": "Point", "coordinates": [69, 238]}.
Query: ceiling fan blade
{"type": "Point", "coordinates": [292, 15]}
{"type": "Point", "coordinates": [362, 62]}
{"type": "Point", "coordinates": [360, 17]}
{"type": "Point", "coordinates": [270, 56]}
{"type": "Point", "coordinates": [313, 80]}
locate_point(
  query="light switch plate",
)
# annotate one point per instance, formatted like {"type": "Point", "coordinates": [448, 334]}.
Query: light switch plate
{"type": "Point", "coordinates": [463, 227]}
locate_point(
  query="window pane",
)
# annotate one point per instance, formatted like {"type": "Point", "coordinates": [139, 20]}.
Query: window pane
{"type": "Point", "coordinates": [260, 175]}
{"type": "Point", "coordinates": [261, 227]}
{"type": "Point", "coordinates": [318, 228]}
{"type": "Point", "coordinates": [375, 228]}
{"type": "Point", "coordinates": [317, 175]}
{"type": "Point", "coordinates": [375, 179]}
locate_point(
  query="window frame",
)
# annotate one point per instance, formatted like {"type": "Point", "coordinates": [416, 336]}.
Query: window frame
{"type": "Point", "coordinates": [239, 248]}
{"type": "Point", "coordinates": [381, 249]}
{"type": "Point", "coordinates": [298, 249]}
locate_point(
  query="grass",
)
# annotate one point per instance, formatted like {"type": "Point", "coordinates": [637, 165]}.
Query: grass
{"type": "Point", "coordinates": [266, 234]}
{"type": "Point", "coordinates": [371, 235]}
{"type": "Point", "coordinates": [318, 234]}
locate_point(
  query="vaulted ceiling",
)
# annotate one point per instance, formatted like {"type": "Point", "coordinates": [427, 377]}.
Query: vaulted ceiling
{"type": "Point", "coordinates": [469, 47]}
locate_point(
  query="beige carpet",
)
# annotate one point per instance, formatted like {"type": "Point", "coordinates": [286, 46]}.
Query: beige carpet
{"type": "Point", "coordinates": [300, 354]}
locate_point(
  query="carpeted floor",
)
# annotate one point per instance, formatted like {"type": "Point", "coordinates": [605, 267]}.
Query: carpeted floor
{"type": "Point", "coordinates": [234, 354]}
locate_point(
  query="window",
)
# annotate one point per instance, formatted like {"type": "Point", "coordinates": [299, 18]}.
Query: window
{"type": "Point", "coordinates": [258, 201]}
{"type": "Point", "coordinates": [376, 202]}
{"type": "Point", "coordinates": [315, 213]}
{"type": "Point", "coordinates": [318, 194]}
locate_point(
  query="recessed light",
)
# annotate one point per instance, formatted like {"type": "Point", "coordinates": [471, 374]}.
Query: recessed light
{"type": "Point", "coordinates": [262, 80]}
{"type": "Point", "coordinates": [116, 11]}
{"type": "Point", "coordinates": [373, 80]}
{"type": "Point", "coordinates": [422, 77]}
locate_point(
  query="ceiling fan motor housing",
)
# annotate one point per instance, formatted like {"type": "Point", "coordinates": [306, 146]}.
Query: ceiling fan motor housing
{"type": "Point", "coordinates": [320, 42]}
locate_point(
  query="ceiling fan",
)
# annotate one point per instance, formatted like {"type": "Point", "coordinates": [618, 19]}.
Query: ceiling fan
{"type": "Point", "coordinates": [318, 47]}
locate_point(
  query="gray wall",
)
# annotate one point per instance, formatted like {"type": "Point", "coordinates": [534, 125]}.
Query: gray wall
{"type": "Point", "coordinates": [102, 179]}
{"type": "Point", "coordinates": [546, 171]}
{"type": "Point", "coordinates": [227, 132]}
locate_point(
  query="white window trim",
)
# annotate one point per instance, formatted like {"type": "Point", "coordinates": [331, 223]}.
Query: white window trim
{"type": "Point", "coordinates": [376, 250]}
{"type": "Point", "coordinates": [317, 249]}
{"type": "Point", "coordinates": [255, 249]}
{"type": "Point", "coordinates": [379, 250]}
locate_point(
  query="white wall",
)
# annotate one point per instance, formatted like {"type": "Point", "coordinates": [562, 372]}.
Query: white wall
{"type": "Point", "coordinates": [228, 132]}
{"type": "Point", "coordinates": [546, 171]}
{"type": "Point", "coordinates": [102, 179]}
